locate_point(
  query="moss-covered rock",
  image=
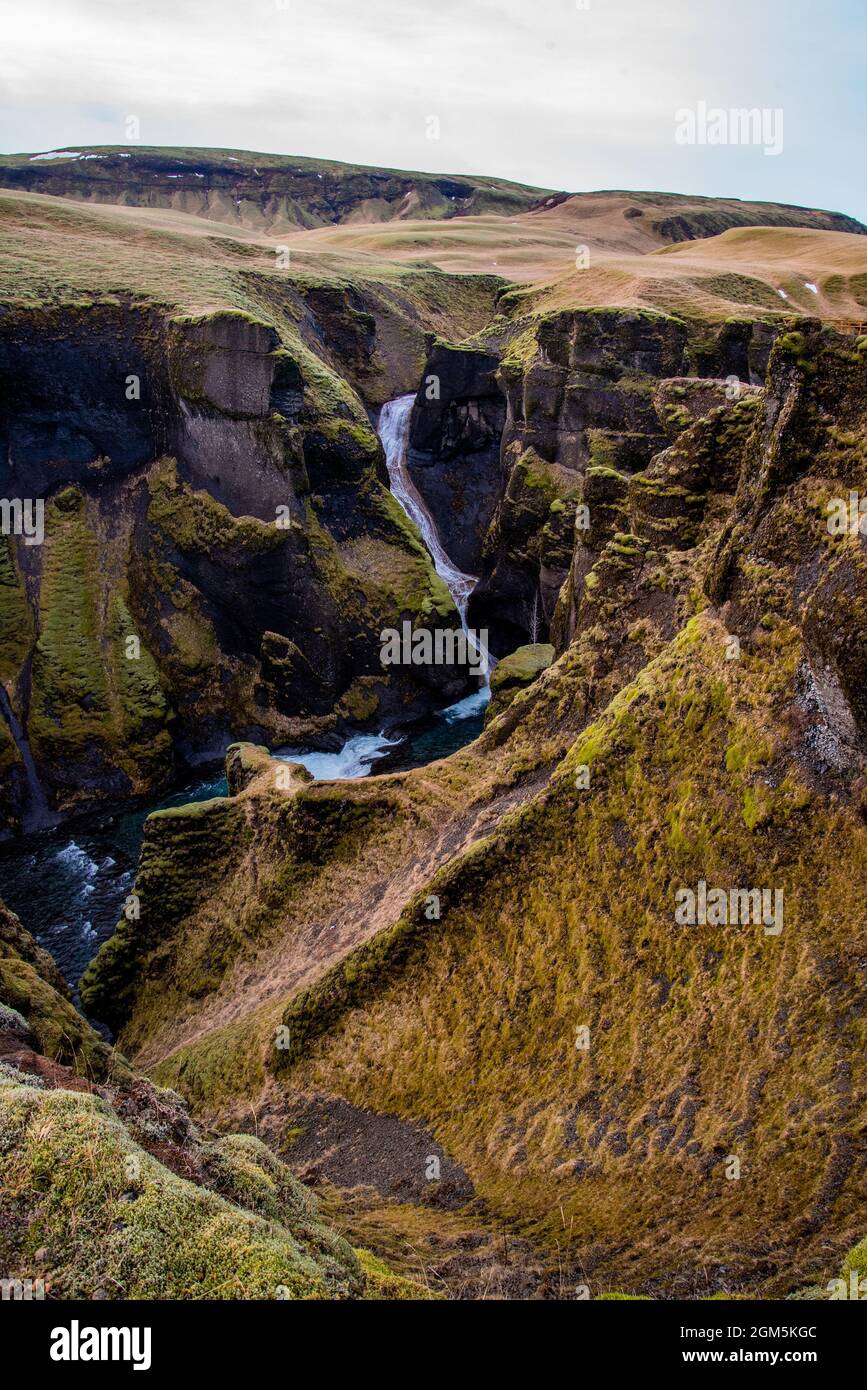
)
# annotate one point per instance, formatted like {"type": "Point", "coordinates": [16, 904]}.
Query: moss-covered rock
{"type": "Point", "coordinates": [116, 1223]}
{"type": "Point", "coordinates": [32, 988]}
{"type": "Point", "coordinates": [515, 673]}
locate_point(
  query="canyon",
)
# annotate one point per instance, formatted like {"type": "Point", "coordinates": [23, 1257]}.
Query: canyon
{"type": "Point", "coordinates": [450, 996]}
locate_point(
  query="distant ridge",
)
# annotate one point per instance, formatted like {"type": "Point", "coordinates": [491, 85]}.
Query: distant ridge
{"type": "Point", "coordinates": [265, 192]}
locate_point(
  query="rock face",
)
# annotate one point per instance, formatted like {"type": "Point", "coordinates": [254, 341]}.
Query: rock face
{"type": "Point", "coordinates": [531, 438]}
{"type": "Point", "coordinates": [454, 447]}
{"type": "Point", "coordinates": [494, 946]}
{"type": "Point", "coordinates": [219, 555]}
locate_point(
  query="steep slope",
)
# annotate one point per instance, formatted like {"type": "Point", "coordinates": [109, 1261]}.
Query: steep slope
{"type": "Point", "coordinates": [107, 1189]}
{"type": "Point", "coordinates": [494, 947]}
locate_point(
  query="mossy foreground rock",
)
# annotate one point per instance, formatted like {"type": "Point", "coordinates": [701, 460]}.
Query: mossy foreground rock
{"type": "Point", "coordinates": [103, 1217]}
{"type": "Point", "coordinates": [114, 1219]}
{"type": "Point", "coordinates": [36, 1011]}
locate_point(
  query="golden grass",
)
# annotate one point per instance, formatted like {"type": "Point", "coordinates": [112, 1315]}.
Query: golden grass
{"type": "Point", "coordinates": [53, 250]}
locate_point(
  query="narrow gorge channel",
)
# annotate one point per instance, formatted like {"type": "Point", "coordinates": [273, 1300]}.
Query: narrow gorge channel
{"type": "Point", "coordinates": [68, 883]}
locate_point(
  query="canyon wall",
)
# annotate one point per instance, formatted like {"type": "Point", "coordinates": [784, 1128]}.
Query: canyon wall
{"type": "Point", "coordinates": [220, 551]}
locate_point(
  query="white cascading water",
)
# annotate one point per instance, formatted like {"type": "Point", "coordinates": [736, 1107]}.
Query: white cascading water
{"type": "Point", "coordinates": [394, 433]}
{"type": "Point", "coordinates": [359, 753]}
{"type": "Point", "coordinates": [354, 759]}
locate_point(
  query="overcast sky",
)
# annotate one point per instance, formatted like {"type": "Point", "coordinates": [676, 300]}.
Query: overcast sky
{"type": "Point", "coordinates": [548, 93]}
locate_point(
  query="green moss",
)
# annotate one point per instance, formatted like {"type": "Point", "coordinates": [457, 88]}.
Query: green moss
{"type": "Point", "coordinates": [70, 692]}
{"type": "Point", "coordinates": [96, 688]}
{"type": "Point", "coordinates": [199, 524]}
{"type": "Point", "coordinates": [535, 475]}
{"type": "Point", "coordinates": [794, 344]}
{"type": "Point", "coordinates": [603, 451]}
{"type": "Point", "coordinates": [383, 1283]}
{"type": "Point", "coordinates": [420, 589]}
{"type": "Point", "coordinates": [60, 1031]}
{"type": "Point", "coordinates": [114, 1219]}
{"type": "Point", "coordinates": [522, 666]}
{"type": "Point", "coordinates": [32, 988]}
{"type": "Point", "coordinates": [360, 702]}
{"type": "Point", "coordinates": [518, 956]}
{"type": "Point", "coordinates": [856, 1262]}
{"type": "Point", "coordinates": [210, 834]}
{"type": "Point", "coordinates": [16, 621]}
{"type": "Point", "coordinates": [514, 673]}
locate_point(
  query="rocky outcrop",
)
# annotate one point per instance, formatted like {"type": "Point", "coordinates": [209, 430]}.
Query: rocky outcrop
{"type": "Point", "coordinates": [37, 1016]}
{"type": "Point", "coordinates": [699, 222]}
{"type": "Point", "coordinates": [454, 447]}
{"type": "Point", "coordinates": [591, 397]}
{"type": "Point", "coordinates": [578, 387]}
{"type": "Point", "coordinates": [514, 673]}
{"type": "Point", "coordinates": [108, 1190]}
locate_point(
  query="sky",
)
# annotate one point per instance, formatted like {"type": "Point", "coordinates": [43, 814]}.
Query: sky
{"type": "Point", "coordinates": [565, 94]}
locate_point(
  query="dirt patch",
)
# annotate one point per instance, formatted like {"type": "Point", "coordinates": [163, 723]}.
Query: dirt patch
{"type": "Point", "coordinates": [323, 1137]}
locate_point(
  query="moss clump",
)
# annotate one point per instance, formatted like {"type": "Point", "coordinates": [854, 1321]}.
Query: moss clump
{"type": "Point", "coordinates": [425, 593]}
{"type": "Point", "coordinates": [360, 702]}
{"type": "Point", "coordinates": [383, 1283]}
{"type": "Point", "coordinates": [115, 1220]}
{"type": "Point", "coordinates": [199, 524]}
{"type": "Point", "coordinates": [856, 1262]}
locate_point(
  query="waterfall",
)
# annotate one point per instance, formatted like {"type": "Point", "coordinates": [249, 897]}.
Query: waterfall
{"type": "Point", "coordinates": [38, 814]}
{"type": "Point", "coordinates": [394, 433]}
